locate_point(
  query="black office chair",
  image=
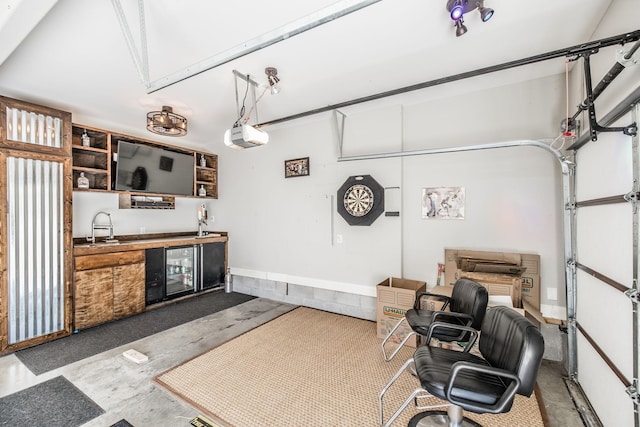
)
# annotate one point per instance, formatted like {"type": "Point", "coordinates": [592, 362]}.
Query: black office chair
{"type": "Point", "coordinates": [467, 305]}
{"type": "Point", "coordinates": [511, 348]}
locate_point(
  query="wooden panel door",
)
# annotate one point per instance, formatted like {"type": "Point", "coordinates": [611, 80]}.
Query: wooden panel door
{"type": "Point", "coordinates": [93, 297]}
{"type": "Point", "coordinates": [128, 290]}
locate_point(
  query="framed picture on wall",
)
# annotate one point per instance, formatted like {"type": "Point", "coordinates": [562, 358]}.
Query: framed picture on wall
{"type": "Point", "coordinates": [166, 163]}
{"type": "Point", "coordinates": [443, 203]}
{"type": "Point", "coordinates": [296, 167]}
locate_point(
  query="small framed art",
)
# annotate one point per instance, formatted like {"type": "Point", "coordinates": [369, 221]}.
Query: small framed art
{"type": "Point", "coordinates": [166, 163]}
{"type": "Point", "coordinates": [296, 167]}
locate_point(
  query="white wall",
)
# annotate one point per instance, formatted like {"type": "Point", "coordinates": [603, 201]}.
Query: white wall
{"type": "Point", "coordinates": [281, 229]}
{"type": "Point", "coordinates": [283, 226]}
{"type": "Point", "coordinates": [135, 221]}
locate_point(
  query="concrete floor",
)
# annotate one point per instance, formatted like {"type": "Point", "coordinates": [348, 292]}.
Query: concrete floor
{"type": "Point", "coordinates": [125, 391]}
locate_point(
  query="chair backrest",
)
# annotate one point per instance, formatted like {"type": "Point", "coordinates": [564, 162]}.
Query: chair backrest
{"type": "Point", "coordinates": [510, 341]}
{"type": "Point", "coordinates": [470, 298]}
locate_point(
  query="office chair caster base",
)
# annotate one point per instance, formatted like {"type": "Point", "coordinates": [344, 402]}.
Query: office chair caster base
{"type": "Point", "coordinates": [439, 419]}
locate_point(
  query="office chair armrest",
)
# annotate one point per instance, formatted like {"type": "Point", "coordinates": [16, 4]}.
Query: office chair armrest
{"type": "Point", "coordinates": [451, 315]}
{"type": "Point", "coordinates": [504, 400]}
{"type": "Point", "coordinates": [463, 330]}
{"type": "Point", "coordinates": [418, 303]}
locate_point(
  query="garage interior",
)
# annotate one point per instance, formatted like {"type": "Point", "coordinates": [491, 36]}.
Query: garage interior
{"type": "Point", "coordinates": [530, 113]}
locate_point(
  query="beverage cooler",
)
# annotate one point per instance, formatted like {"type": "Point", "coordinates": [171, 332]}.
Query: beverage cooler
{"type": "Point", "coordinates": [182, 270]}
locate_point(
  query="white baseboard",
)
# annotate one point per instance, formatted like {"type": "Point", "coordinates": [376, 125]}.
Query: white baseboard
{"type": "Point", "coordinates": [547, 310]}
{"type": "Point", "coordinates": [352, 288]}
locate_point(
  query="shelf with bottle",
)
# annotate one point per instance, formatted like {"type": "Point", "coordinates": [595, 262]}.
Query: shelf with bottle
{"type": "Point", "coordinates": [207, 161]}
{"type": "Point", "coordinates": [91, 159]}
{"type": "Point", "coordinates": [206, 189]}
{"type": "Point", "coordinates": [96, 180]}
{"type": "Point", "coordinates": [89, 139]}
{"type": "Point", "coordinates": [206, 183]}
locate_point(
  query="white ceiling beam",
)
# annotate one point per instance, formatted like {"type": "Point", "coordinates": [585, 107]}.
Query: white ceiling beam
{"type": "Point", "coordinates": [140, 59]}
{"type": "Point", "coordinates": [323, 16]}
{"type": "Point", "coordinates": [17, 19]}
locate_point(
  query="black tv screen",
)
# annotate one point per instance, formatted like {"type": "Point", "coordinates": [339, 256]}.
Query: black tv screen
{"type": "Point", "coordinates": [146, 169]}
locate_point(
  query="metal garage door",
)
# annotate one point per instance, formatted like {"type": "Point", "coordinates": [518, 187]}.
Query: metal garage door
{"type": "Point", "coordinates": [602, 274]}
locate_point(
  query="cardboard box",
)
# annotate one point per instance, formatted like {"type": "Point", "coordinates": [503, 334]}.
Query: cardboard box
{"type": "Point", "coordinates": [501, 300]}
{"type": "Point", "coordinates": [395, 297]}
{"type": "Point", "coordinates": [497, 262]}
{"type": "Point", "coordinates": [531, 280]}
{"type": "Point", "coordinates": [435, 304]}
{"type": "Point", "coordinates": [498, 284]}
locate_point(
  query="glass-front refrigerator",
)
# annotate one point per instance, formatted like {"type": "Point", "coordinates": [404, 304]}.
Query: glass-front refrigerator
{"type": "Point", "coordinates": [181, 270]}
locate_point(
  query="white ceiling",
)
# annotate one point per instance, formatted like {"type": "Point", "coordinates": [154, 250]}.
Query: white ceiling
{"type": "Point", "coordinates": [76, 58]}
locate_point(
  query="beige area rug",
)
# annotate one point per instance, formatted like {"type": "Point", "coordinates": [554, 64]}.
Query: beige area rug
{"type": "Point", "coordinates": [308, 368]}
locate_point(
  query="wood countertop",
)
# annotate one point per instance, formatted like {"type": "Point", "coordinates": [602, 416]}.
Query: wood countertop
{"type": "Point", "coordinates": [141, 242]}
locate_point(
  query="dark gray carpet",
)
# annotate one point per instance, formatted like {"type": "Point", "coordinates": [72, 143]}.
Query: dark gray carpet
{"type": "Point", "coordinates": [89, 342]}
{"type": "Point", "coordinates": [56, 402]}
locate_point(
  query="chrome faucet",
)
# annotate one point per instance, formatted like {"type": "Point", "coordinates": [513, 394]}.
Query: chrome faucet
{"type": "Point", "coordinates": [95, 227]}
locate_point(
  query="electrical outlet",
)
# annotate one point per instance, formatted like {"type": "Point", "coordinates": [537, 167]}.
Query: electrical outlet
{"type": "Point", "coordinates": [552, 294]}
{"type": "Point", "coordinates": [143, 230]}
{"type": "Point", "coordinates": [338, 238]}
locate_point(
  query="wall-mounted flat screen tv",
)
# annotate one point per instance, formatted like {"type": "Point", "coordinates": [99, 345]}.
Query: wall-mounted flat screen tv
{"type": "Point", "coordinates": [147, 169]}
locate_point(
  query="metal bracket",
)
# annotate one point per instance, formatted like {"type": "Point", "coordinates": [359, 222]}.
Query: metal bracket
{"type": "Point", "coordinates": [251, 84]}
{"type": "Point", "coordinates": [621, 57]}
{"type": "Point", "coordinates": [630, 130]}
{"type": "Point", "coordinates": [341, 118]}
{"type": "Point", "coordinates": [632, 391]}
{"type": "Point", "coordinates": [632, 294]}
{"type": "Point", "coordinates": [632, 197]}
{"type": "Point", "coordinates": [571, 264]}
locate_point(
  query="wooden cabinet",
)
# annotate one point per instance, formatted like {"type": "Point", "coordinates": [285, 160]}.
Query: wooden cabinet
{"type": "Point", "coordinates": [206, 175]}
{"type": "Point", "coordinates": [128, 290]}
{"type": "Point", "coordinates": [91, 157]}
{"type": "Point", "coordinates": [93, 297]}
{"type": "Point", "coordinates": [108, 287]}
{"type": "Point", "coordinates": [96, 162]}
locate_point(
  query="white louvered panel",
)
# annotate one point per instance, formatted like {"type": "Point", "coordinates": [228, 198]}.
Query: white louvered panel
{"type": "Point", "coordinates": [35, 242]}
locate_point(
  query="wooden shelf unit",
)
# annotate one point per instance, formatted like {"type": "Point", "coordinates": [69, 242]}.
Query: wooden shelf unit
{"type": "Point", "coordinates": [97, 164]}
{"type": "Point", "coordinates": [207, 176]}
{"type": "Point", "coordinates": [130, 201]}
{"type": "Point", "coordinates": [93, 161]}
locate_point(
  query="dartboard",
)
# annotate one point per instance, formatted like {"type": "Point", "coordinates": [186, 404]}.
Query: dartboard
{"type": "Point", "coordinates": [358, 200]}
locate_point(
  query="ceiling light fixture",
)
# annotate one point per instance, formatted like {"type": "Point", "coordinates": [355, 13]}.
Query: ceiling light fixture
{"type": "Point", "coordinates": [272, 78]}
{"type": "Point", "coordinates": [460, 27]}
{"type": "Point", "coordinates": [485, 12]}
{"type": "Point", "coordinates": [457, 8]}
{"type": "Point", "coordinates": [166, 122]}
